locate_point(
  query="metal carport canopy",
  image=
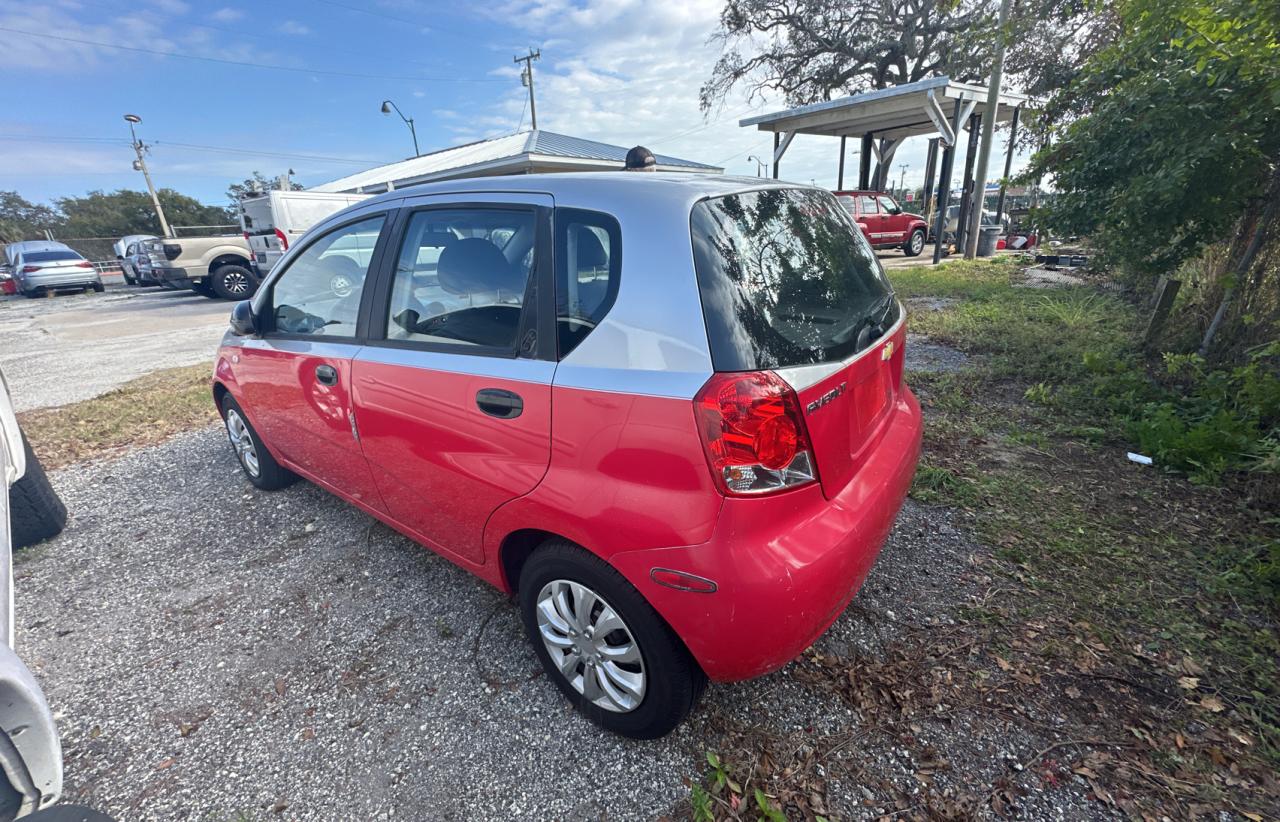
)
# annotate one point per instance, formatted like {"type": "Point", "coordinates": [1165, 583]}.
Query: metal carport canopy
{"type": "Point", "coordinates": [891, 113]}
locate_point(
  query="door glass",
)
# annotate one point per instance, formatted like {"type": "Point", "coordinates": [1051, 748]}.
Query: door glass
{"type": "Point", "coordinates": [320, 292]}
{"type": "Point", "coordinates": [461, 277]}
{"type": "Point", "coordinates": [888, 206]}
{"type": "Point", "coordinates": [588, 261]}
{"type": "Point", "coordinates": [866, 204]}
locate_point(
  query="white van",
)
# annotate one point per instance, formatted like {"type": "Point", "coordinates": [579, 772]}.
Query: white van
{"type": "Point", "coordinates": [276, 219]}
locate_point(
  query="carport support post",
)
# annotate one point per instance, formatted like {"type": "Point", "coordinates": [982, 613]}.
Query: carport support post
{"type": "Point", "coordinates": [840, 178]}
{"type": "Point", "coordinates": [967, 194]}
{"type": "Point", "coordinates": [777, 138]}
{"type": "Point", "coordinates": [944, 184]}
{"type": "Point", "coordinates": [1008, 164]}
{"type": "Point", "coordinates": [864, 164]}
{"type": "Point", "coordinates": [930, 166]}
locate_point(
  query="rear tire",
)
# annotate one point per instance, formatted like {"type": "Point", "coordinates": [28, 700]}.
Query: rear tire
{"type": "Point", "coordinates": [914, 244]}
{"type": "Point", "coordinates": [36, 513]}
{"type": "Point", "coordinates": [255, 460]}
{"type": "Point", "coordinates": [99, 288]}
{"type": "Point", "coordinates": [671, 680]}
{"type": "Point", "coordinates": [232, 282]}
{"type": "Point", "coordinates": [203, 289]}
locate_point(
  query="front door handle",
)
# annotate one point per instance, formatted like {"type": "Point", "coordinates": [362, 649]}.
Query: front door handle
{"type": "Point", "coordinates": [500, 403]}
{"type": "Point", "coordinates": [326, 375]}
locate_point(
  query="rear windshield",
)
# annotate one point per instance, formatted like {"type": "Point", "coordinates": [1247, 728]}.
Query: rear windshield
{"type": "Point", "coordinates": [49, 256]}
{"type": "Point", "coordinates": [786, 279]}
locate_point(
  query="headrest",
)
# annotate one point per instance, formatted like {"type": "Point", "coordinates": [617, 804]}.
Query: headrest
{"type": "Point", "coordinates": [591, 253]}
{"type": "Point", "coordinates": [474, 264]}
{"type": "Point", "coordinates": [436, 239]}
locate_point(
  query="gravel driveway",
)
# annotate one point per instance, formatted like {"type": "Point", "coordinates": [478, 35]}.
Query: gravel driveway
{"type": "Point", "coordinates": [215, 652]}
{"type": "Point", "coordinates": [68, 348]}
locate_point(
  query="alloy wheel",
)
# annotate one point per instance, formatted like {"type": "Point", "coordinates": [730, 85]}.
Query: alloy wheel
{"type": "Point", "coordinates": [340, 285]}
{"type": "Point", "coordinates": [591, 645]}
{"type": "Point", "coordinates": [242, 442]}
{"type": "Point", "coordinates": [917, 243]}
{"type": "Point", "coordinates": [235, 282]}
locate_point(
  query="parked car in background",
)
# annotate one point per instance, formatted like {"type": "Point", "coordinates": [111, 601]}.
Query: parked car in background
{"type": "Point", "coordinates": [953, 219]}
{"type": "Point", "coordinates": [731, 441]}
{"type": "Point", "coordinates": [213, 266]}
{"type": "Point", "coordinates": [30, 753]}
{"type": "Point", "coordinates": [276, 219]}
{"type": "Point", "coordinates": [7, 284]}
{"type": "Point", "coordinates": [136, 265]}
{"type": "Point", "coordinates": [884, 223]}
{"type": "Point", "coordinates": [124, 249]}
{"type": "Point", "coordinates": [42, 266]}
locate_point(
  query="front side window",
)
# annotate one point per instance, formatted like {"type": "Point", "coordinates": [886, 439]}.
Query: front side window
{"type": "Point", "coordinates": [786, 279]}
{"type": "Point", "coordinates": [319, 293]}
{"type": "Point", "coordinates": [588, 263]}
{"type": "Point", "coordinates": [888, 206]}
{"type": "Point", "coordinates": [461, 277]}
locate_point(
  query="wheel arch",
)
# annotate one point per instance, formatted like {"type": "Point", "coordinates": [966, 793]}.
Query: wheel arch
{"type": "Point", "coordinates": [514, 552]}
{"type": "Point", "coordinates": [228, 259]}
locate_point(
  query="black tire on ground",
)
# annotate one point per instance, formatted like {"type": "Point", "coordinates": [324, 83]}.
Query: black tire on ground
{"type": "Point", "coordinates": [35, 513]}
{"type": "Point", "coordinates": [270, 475]}
{"type": "Point", "coordinates": [203, 288]}
{"type": "Point", "coordinates": [914, 244]}
{"type": "Point", "coordinates": [232, 282]}
{"type": "Point", "coordinates": [99, 287]}
{"type": "Point", "coordinates": [127, 279]}
{"type": "Point", "coordinates": [673, 680]}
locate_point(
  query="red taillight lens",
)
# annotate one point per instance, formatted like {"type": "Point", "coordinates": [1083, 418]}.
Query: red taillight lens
{"type": "Point", "coordinates": [753, 433]}
{"type": "Point", "coordinates": [85, 264]}
{"type": "Point", "coordinates": [27, 269]}
{"type": "Point", "coordinates": [284, 241]}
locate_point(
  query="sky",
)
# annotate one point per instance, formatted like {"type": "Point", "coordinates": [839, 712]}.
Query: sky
{"type": "Point", "coordinates": [621, 71]}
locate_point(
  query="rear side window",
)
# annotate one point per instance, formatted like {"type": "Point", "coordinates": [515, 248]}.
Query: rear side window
{"type": "Point", "coordinates": [786, 279]}
{"type": "Point", "coordinates": [461, 278]}
{"type": "Point", "coordinates": [588, 259]}
{"type": "Point", "coordinates": [49, 256]}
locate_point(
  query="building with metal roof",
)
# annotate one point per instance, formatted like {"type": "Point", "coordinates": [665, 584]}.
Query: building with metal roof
{"type": "Point", "coordinates": [525, 152]}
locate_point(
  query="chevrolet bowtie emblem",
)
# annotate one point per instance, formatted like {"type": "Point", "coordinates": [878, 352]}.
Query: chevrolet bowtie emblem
{"type": "Point", "coordinates": [887, 351]}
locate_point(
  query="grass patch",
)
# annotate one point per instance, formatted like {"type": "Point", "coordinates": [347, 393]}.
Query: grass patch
{"type": "Point", "coordinates": [144, 411]}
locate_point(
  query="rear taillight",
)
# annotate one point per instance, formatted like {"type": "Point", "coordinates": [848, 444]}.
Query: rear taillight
{"type": "Point", "coordinates": [27, 269]}
{"type": "Point", "coordinates": [284, 241]}
{"type": "Point", "coordinates": [84, 264]}
{"type": "Point", "coordinates": [753, 433]}
{"type": "Point", "coordinates": [172, 251]}
{"type": "Point", "coordinates": [247, 241]}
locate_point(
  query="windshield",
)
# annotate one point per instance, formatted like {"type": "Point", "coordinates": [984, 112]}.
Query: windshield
{"type": "Point", "coordinates": [786, 279]}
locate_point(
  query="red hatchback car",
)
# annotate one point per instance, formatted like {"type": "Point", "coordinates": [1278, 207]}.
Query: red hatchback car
{"type": "Point", "coordinates": [665, 411]}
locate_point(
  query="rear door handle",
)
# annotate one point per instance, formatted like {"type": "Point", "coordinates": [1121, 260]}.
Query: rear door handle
{"type": "Point", "coordinates": [326, 375]}
{"type": "Point", "coordinates": [500, 403]}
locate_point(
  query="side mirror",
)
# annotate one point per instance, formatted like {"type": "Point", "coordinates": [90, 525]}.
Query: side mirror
{"type": "Point", "coordinates": [243, 322]}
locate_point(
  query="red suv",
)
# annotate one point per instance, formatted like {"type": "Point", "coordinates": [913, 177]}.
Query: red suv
{"type": "Point", "coordinates": [884, 223]}
{"type": "Point", "coordinates": [666, 412]}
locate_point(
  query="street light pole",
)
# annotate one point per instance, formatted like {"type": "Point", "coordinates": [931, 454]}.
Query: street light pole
{"type": "Point", "coordinates": [988, 130]}
{"type": "Point", "coordinates": [387, 107]}
{"type": "Point", "coordinates": [140, 164]}
{"type": "Point", "coordinates": [760, 164]}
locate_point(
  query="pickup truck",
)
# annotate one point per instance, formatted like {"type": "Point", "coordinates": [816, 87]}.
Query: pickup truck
{"type": "Point", "coordinates": [884, 223]}
{"type": "Point", "coordinates": [212, 266]}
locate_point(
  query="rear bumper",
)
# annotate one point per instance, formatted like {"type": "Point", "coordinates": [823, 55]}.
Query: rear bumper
{"type": "Point", "coordinates": [74, 279]}
{"type": "Point", "coordinates": [173, 276]}
{"type": "Point", "coordinates": [785, 566]}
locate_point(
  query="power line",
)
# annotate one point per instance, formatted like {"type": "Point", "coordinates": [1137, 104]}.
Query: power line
{"type": "Point", "coordinates": [245, 63]}
{"type": "Point", "coordinates": [190, 147]}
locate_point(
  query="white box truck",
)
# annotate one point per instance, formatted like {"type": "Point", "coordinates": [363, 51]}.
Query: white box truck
{"type": "Point", "coordinates": [275, 220]}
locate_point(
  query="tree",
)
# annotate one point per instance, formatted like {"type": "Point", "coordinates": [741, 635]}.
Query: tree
{"type": "Point", "coordinates": [255, 185]}
{"type": "Point", "coordinates": [115, 214]}
{"type": "Point", "coordinates": [21, 219]}
{"type": "Point", "coordinates": [1170, 141]}
{"type": "Point", "coordinates": [812, 50]}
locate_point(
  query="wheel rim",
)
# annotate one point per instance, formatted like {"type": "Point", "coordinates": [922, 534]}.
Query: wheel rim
{"type": "Point", "coordinates": [235, 282]}
{"type": "Point", "coordinates": [242, 442]}
{"type": "Point", "coordinates": [340, 285]}
{"type": "Point", "coordinates": [917, 242]}
{"type": "Point", "coordinates": [590, 646]}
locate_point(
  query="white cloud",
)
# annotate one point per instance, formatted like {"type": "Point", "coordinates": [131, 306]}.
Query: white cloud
{"type": "Point", "coordinates": [293, 27]}
{"type": "Point", "coordinates": [227, 14]}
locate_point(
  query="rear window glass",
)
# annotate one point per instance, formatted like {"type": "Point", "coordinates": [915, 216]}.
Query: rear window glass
{"type": "Point", "coordinates": [49, 256]}
{"type": "Point", "coordinates": [786, 279]}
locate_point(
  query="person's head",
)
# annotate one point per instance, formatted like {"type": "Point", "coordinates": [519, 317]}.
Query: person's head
{"type": "Point", "coordinates": [641, 159]}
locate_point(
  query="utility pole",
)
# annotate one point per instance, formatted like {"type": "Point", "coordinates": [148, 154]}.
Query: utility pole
{"type": "Point", "coordinates": [140, 164]}
{"type": "Point", "coordinates": [526, 79]}
{"type": "Point", "coordinates": [902, 179]}
{"type": "Point", "coordinates": [988, 130]}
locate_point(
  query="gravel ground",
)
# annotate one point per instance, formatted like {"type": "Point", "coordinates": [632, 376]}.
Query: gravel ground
{"type": "Point", "coordinates": [68, 348]}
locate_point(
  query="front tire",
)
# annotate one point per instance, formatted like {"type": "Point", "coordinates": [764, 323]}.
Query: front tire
{"type": "Point", "coordinates": [233, 282]}
{"type": "Point", "coordinates": [255, 460]}
{"type": "Point", "coordinates": [914, 244]}
{"type": "Point", "coordinates": [603, 645]}
{"type": "Point", "coordinates": [36, 512]}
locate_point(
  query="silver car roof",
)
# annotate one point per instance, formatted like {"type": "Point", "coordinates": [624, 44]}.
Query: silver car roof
{"type": "Point", "coordinates": [38, 245]}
